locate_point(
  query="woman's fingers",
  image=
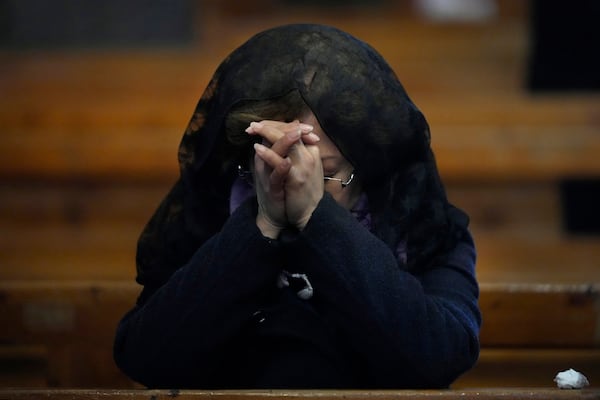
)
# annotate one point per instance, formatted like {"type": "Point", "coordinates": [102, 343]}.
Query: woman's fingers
{"type": "Point", "coordinates": [293, 170]}
{"type": "Point", "coordinates": [270, 192]}
{"type": "Point", "coordinates": [283, 135]}
{"type": "Point", "coordinates": [304, 185]}
{"type": "Point", "coordinates": [310, 138]}
{"type": "Point", "coordinates": [285, 127]}
{"type": "Point", "coordinates": [280, 166]}
{"type": "Point", "coordinates": [270, 157]}
{"type": "Point", "coordinates": [280, 173]}
{"type": "Point", "coordinates": [285, 143]}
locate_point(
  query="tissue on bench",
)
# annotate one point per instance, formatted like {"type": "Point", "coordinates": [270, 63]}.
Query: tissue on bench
{"type": "Point", "coordinates": [571, 379]}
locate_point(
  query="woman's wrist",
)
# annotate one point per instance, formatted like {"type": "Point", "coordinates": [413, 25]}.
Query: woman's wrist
{"type": "Point", "coordinates": [267, 228]}
{"type": "Point", "coordinates": [301, 223]}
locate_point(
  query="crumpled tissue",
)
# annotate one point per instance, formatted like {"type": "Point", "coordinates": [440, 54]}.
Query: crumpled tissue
{"type": "Point", "coordinates": [571, 379]}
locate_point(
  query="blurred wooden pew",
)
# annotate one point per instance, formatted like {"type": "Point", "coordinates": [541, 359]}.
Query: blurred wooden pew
{"type": "Point", "coordinates": [88, 149]}
{"type": "Point", "coordinates": [88, 230]}
{"type": "Point", "coordinates": [482, 394]}
{"type": "Point", "coordinates": [68, 329]}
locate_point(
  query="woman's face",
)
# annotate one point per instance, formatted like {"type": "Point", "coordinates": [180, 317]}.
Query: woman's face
{"type": "Point", "coordinates": [335, 165]}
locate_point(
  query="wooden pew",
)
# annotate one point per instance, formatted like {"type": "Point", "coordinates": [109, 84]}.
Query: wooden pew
{"type": "Point", "coordinates": [85, 231]}
{"type": "Point", "coordinates": [466, 149]}
{"type": "Point", "coordinates": [537, 330]}
{"type": "Point", "coordinates": [480, 394]}
{"type": "Point", "coordinates": [99, 115]}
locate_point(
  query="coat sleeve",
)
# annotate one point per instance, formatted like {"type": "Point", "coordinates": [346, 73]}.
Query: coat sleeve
{"type": "Point", "coordinates": [409, 331]}
{"type": "Point", "coordinates": [176, 333]}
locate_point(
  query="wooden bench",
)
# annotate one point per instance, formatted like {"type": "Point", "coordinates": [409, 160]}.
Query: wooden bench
{"type": "Point", "coordinates": [66, 231]}
{"type": "Point", "coordinates": [118, 116]}
{"type": "Point", "coordinates": [480, 394]}
{"type": "Point", "coordinates": [68, 328]}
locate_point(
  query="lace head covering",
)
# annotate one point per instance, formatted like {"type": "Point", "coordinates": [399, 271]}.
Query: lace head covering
{"type": "Point", "coordinates": [360, 104]}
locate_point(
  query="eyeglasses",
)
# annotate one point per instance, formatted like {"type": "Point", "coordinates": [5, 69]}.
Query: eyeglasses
{"type": "Point", "coordinates": [343, 182]}
{"type": "Point", "coordinates": [247, 176]}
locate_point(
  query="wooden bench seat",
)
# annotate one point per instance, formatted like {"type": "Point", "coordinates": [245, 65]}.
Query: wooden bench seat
{"type": "Point", "coordinates": [480, 394]}
{"type": "Point", "coordinates": [108, 252]}
{"type": "Point", "coordinates": [515, 314]}
{"type": "Point", "coordinates": [530, 332]}
{"type": "Point", "coordinates": [86, 231]}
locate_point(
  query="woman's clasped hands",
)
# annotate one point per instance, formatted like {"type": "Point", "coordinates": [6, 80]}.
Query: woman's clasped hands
{"type": "Point", "coordinates": [288, 175]}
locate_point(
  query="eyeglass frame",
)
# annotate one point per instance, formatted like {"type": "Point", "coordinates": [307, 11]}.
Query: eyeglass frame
{"type": "Point", "coordinates": [340, 180]}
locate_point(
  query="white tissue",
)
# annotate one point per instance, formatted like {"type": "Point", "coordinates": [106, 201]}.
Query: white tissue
{"type": "Point", "coordinates": [571, 379]}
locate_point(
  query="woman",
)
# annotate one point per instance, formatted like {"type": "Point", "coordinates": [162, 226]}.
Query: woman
{"type": "Point", "coordinates": [308, 242]}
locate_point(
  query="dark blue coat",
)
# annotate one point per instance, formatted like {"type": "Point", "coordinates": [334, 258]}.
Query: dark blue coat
{"type": "Point", "coordinates": [221, 322]}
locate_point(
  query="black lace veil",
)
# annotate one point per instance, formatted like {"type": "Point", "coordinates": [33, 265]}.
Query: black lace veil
{"type": "Point", "coordinates": [361, 106]}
